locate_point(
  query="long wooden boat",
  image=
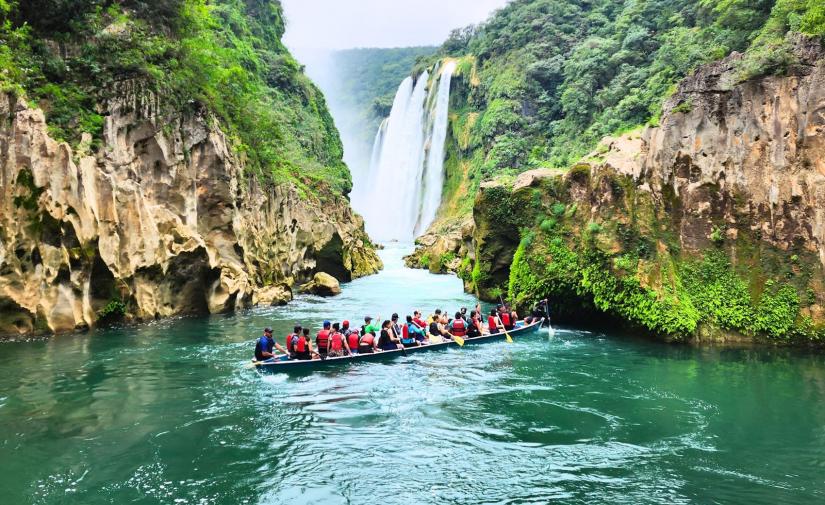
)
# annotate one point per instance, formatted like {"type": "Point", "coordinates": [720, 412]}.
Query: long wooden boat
{"type": "Point", "coordinates": [294, 364]}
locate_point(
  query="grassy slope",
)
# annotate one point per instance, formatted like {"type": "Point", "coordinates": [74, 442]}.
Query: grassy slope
{"type": "Point", "coordinates": [224, 55]}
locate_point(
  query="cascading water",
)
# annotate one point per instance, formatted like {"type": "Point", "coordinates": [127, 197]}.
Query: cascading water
{"type": "Point", "coordinates": [434, 173]}
{"type": "Point", "coordinates": [402, 192]}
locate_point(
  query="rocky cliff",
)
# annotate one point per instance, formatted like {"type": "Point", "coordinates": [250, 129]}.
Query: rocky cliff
{"type": "Point", "coordinates": [157, 220]}
{"type": "Point", "coordinates": [709, 225]}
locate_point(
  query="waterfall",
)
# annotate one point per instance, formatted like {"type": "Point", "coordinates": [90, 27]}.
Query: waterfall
{"type": "Point", "coordinates": [434, 173]}
{"type": "Point", "coordinates": [402, 192]}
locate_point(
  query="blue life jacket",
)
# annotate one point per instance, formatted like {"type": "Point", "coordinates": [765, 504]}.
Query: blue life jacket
{"type": "Point", "coordinates": [264, 344]}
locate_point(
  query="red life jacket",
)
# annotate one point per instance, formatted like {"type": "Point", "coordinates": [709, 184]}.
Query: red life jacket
{"type": "Point", "coordinates": [458, 327]}
{"type": "Point", "coordinates": [352, 340]}
{"type": "Point", "coordinates": [322, 340]}
{"type": "Point", "coordinates": [301, 345]}
{"type": "Point", "coordinates": [368, 339]}
{"type": "Point", "coordinates": [405, 332]}
{"type": "Point", "coordinates": [491, 322]}
{"type": "Point", "coordinates": [336, 342]}
{"type": "Point", "coordinates": [289, 342]}
{"type": "Point", "coordinates": [505, 319]}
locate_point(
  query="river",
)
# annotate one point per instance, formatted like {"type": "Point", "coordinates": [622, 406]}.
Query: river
{"type": "Point", "coordinates": [167, 413]}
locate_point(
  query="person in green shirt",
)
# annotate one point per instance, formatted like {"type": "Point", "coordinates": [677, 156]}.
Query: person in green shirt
{"type": "Point", "coordinates": [369, 327]}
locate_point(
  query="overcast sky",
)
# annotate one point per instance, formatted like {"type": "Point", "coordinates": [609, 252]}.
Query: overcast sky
{"type": "Point", "coordinates": [343, 24]}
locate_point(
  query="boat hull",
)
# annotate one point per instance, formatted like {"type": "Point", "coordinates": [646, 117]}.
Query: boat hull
{"type": "Point", "coordinates": [303, 365]}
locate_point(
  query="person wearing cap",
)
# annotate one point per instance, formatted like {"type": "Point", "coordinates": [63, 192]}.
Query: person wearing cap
{"type": "Point", "coordinates": [369, 327]}
{"type": "Point", "coordinates": [265, 346]}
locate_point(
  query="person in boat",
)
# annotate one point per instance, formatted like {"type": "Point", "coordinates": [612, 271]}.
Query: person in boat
{"type": "Point", "coordinates": [367, 343]}
{"type": "Point", "coordinates": [493, 324]}
{"type": "Point", "coordinates": [474, 328]}
{"type": "Point", "coordinates": [398, 331]}
{"type": "Point", "coordinates": [419, 322]}
{"type": "Point", "coordinates": [513, 317]}
{"type": "Point", "coordinates": [413, 331]}
{"type": "Point", "coordinates": [369, 327]}
{"type": "Point", "coordinates": [504, 318]}
{"type": "Point", "coordinates": [296, 332]}
{"type": "Point", "coordinates": [322, 340]}
{"type": "Point", "coordinates": [338, 345]}
{"type": "Point", "coordinates": [353, 338]}
{"type": "Point", "coordinates": [464, 316]}
{"type": "Point", "coordinates": [388, 341]}
{"type": "Point", "coordinates": [265, 348]}
{"type": "Point", "coordinates": [438, 331]}
{"type": "Point", "coordinates": [302, 345]}
{"type": "Point", "coordinates": [540, 311]}
{"type": "Point", "coordinates": [458, 326]}
{"type": "Point", "coordinates": [435, 317]}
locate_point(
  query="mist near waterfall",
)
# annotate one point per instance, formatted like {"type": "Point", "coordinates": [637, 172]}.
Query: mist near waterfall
{"type": "Point", "coordinates": [397, 164]}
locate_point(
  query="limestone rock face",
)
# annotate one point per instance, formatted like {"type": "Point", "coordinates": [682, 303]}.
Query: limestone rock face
{"type": "Point", "coordinates": [442, 248]}
{"type": "Point", "coordinates": [161, 217]}
{"type": "Point", "coordinates": [322, 284]}
{"type": "Point", "coordinates": [735, 165]}
{"type": "Point", "coordinates": [753, 153]}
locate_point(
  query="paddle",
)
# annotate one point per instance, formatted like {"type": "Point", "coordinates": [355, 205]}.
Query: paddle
{"type": "Point", "coordinates": [550, 331]}
{"type": "Point", "coordinates": [508, 338]}
{"type": "Point", "coordinates": [392, 327]}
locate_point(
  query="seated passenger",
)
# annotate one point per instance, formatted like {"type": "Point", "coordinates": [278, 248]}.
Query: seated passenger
{"type": "Point", "coordinates": [296, 332]}
{"type": "Point", "coordinates": [458, 326]}
{"type": "Point", "coordinates": [493, 323]}
{"type": "Point", "coordinates": [388, 341]}
{"type": "Point", "coordinates": [504, 317]}
{"type": "Point", "coordinates": [352, 339]}
{"type": "Point", "coordinates": [322, 340]}
{"type": "Point", "coordinates": [338, 345]}
{"type": "Point", "coordinates": [413, 331]}
{"type": "Point", "coordinates": [302, 345]}
{"type": "Point", "coordinates": [366, 343]}
{"type": "Point", "coordinates": [265, 346]}
{"type": "Point", "coordinates": [418, 321]}
{"type": "Point", "coordinates": [474, 326]}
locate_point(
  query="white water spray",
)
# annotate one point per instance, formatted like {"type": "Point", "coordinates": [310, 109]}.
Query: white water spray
{"type": "Point", "coordinates": [406, 173]}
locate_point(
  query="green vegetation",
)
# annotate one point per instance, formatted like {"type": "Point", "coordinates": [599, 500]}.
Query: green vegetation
{"type": "Point", "coordinates": [113, 311]}
{"type": "Point", "coordinates": [222, 55]}
{"type": "Point", "coordinates": [542, 81]}
{"type": "Point", "coordinates": [644, 279]}
{"type": "Point", "coordinates": [366, 81]}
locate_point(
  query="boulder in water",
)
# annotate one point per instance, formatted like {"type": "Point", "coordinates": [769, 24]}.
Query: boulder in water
{"type": "Point", "coordinates": [322, 284]}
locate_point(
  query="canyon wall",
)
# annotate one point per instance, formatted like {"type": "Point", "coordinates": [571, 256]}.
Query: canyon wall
{"type": "Point", "coordinates": [708, 225]}
{"type": "Point", "coordinates": [155, 220]}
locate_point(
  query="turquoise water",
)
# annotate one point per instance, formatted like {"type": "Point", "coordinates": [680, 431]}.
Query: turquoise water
{"type": "Point", "coordinates": [167, 413]}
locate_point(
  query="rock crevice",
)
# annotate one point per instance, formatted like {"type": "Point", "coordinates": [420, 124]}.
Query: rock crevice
{"type": "Point", "coordinates": [161, 217]}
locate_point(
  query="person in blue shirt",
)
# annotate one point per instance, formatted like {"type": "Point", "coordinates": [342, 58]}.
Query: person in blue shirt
{"type": "Point", "coordinates": [265, 346]}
